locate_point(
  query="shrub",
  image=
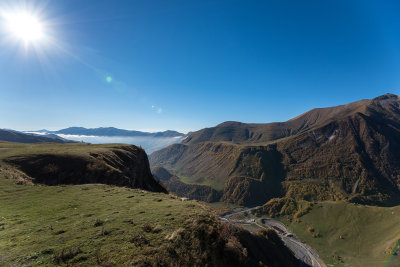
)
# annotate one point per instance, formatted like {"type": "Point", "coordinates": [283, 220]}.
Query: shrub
{"type": "Point", "coordinates": [98, 222]}
{"type": "Point", "coordinates": [47, 251]}
{"type": "Point", "coordinates": [157, 229]}
{"type": "Point", "coordinates": [147, 227]}
{"type": "Point", "coordinates": [66, 254]}
{"type": "Point", "coordinates": [316, 235]}
{"type": "Point", "coordinates": [303, 211]}
{"type": "Point", "coordinates": [104, 231]}
{"type": "Point", "coordinates": [59, 232]}
{"type": "Point", "coordinates": [279, 207]}
{"type": "Point", "coordinates": [139, 240]}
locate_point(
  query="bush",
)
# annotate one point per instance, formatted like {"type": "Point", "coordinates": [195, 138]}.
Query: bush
{"type": "Point", "coordinates": [98, 222]}
{"type": "Point", "coordinates": [279, 207]}
{"type": "Point", "coordinates": [139, 240]}
{"type": "Point", "coordinates": [316, 235]}
{"type": "Point", "coordinates": [157, 229]}
{"type": "Point", "coordinates": [147, 227]}
{"type": "Point", "coordinates": [303, 211]}
{"type": "Point", "coordinates": [59, 232]}
{"type": "Point", "coordinates": [66, 254]}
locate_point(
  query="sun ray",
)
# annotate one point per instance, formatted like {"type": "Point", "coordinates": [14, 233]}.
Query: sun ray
{"type": "Point", "coordinates": [24, 26]}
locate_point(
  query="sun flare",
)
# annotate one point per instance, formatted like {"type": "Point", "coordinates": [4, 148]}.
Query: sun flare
{"type": "Point", "coordinates": [25, 27]}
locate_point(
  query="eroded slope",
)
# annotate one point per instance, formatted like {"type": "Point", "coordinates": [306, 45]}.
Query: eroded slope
{"type": "Point", "coordinates": [350, 152]}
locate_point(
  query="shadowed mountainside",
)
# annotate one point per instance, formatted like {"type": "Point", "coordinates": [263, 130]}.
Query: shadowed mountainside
{"type": "Point", "coordinates": [192, 191]}
{"type": "Point", "coordinates": [349, 152]}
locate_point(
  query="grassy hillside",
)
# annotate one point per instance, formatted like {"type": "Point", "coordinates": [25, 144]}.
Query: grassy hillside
{"type": "Point", "coordinates": [106, 225]}
{"type": "Point", "coordinates": [346, 234]}
{"type": "Point", "coordinates": [85, 224]}
{"type": "Point", "coordinates": [55, 164]}
{"type": "Point", "coordinates": [8, 149]}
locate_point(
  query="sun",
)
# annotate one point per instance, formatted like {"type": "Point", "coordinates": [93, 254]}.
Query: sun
{"type": "Point", "coordinates": [25, 27]}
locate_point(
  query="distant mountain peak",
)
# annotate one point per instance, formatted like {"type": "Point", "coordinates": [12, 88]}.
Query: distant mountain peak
{"type": "Point", "coordinates": [230, 123]}
{"type": "Point", "coordinates": [387, 96]}
{"type": "Point", "coordinates": [387, 99]}
{"type": "Point", "coordinates": [112, 131]}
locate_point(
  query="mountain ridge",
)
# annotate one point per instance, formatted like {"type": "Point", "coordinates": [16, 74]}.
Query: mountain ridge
{"type": "Point", "coordinates": [112, 131]}
{"type": "Point", "coordinates": [20, 137]}
{"type": "Point", "coordinates": [349, 152]}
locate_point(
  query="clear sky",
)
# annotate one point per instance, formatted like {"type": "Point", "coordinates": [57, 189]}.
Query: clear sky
{"type": "Point", "coordinates": [186, 65]}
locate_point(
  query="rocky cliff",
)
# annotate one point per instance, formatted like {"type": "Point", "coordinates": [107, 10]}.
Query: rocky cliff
{"type": "Point", "coordinates": [121, 165]}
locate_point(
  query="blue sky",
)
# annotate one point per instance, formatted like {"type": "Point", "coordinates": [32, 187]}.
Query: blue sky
{"type": "Point", "coordinates": [187, 65]}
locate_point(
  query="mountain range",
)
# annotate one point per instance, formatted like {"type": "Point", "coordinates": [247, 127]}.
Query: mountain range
{"type": "Point", "coordinates": [111, 131]}
{"type": "Point", "coordinates": [349, 152]}
{"type": "Point", "coordinates": [149, 141]}
{"type": "Point", "coordinates": [19, 137]}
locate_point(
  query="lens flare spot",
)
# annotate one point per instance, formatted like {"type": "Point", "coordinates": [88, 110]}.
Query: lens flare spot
{"type": "Point", "coordinates": [109, 79]}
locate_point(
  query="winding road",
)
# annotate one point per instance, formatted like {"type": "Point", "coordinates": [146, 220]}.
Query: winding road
{"type": "Point", "coordinates": [307, 255]}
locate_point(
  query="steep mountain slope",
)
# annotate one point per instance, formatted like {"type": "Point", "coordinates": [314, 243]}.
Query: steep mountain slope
{"type": "Point", "coordinates": [192, 191]}
{"type": "Point", "coordinates": [347, 152]}
{"type": "Point", "coordinates": [259, 133]}
{"type": "Point", "coordinates": [14, 136]}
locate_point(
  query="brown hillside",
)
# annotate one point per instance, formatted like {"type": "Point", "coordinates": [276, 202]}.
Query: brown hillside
{"type": "Point", "coordinates": [347, 152]}
{"type": "Point", "coordinates": [257, 133]}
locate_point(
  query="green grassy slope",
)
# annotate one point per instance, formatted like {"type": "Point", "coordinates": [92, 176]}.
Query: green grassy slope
{"type": "Point", "coordinates": [39, 222]}
{"type": "Point", "coordinates": [358, 235]}
{"type": "Point", "coordinates": [11, 149]}
{"type": "Point", "coordinates": [105, 225]}
{"type": "Point", "coordinates": [54, 164]}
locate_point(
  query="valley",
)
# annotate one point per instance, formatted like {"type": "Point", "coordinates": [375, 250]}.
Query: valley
{"type": "Point", "coordinates": [330, 175]}
{"type": "Point", "coordinates": [342, 234]}
{"type": "Point", "coordinates": [323, 187]}
{"type": "Point", "coordinates": [199, 133]}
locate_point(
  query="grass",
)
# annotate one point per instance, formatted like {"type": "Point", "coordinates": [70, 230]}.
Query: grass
{"type": "Point", "coordinates": [212, 183]}
{"type": "Point", "coordinates": [84, 224]}
{"type": "Point", "coordinates": [215, 184]}
{"type": "Point", "coordinates": [345, 234]}
{"type": "Point", "coordinates": [104, 225]}
{"type": "Point", "coordinates": [8, 149]}
{"type": "Point", "coordinates": [222, 207]}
